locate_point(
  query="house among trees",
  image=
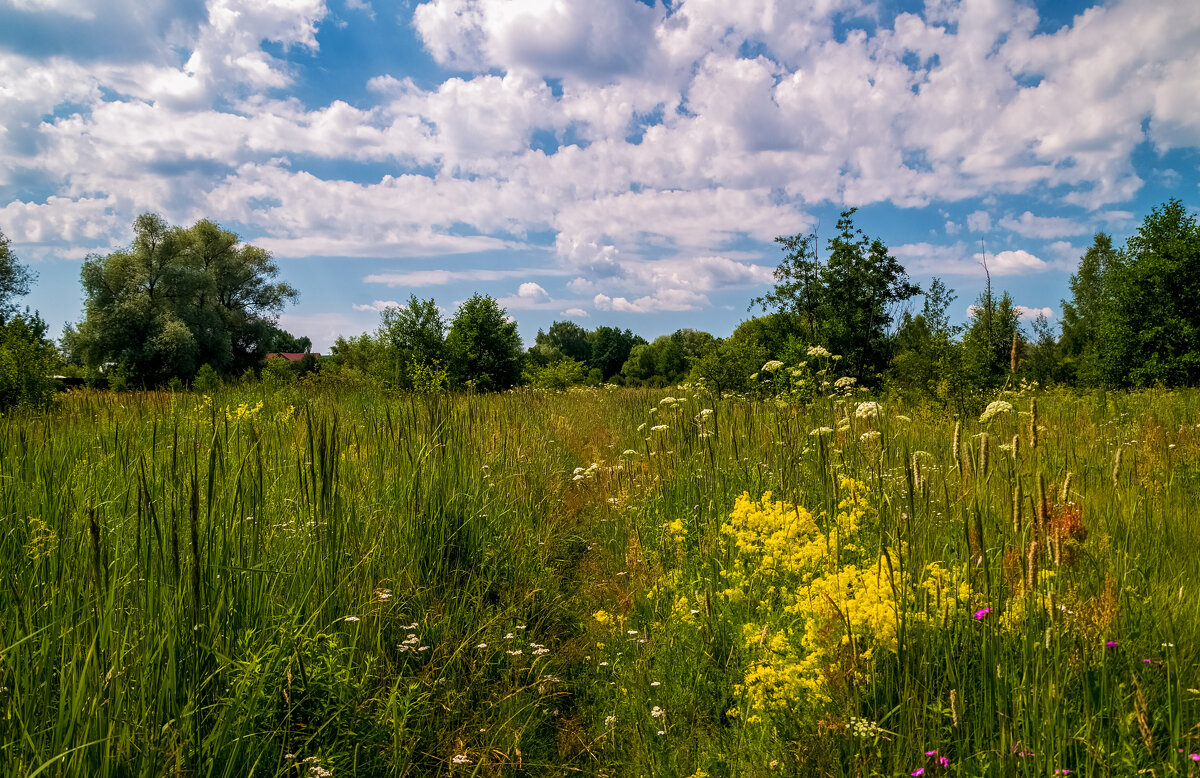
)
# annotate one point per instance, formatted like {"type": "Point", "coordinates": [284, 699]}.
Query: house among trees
{"type": "Point", "coordinates": [291, 356]}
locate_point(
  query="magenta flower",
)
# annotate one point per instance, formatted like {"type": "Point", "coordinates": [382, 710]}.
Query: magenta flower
{"type": "Point", "coordinates": [919, 771]}
{"type": "Point", "coordinates": [1112, 643]}
{"type": "Point", "coordinates": [979, 614]}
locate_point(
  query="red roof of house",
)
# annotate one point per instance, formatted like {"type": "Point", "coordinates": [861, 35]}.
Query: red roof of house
{"type": "Point", "coordinates": [291, 356]}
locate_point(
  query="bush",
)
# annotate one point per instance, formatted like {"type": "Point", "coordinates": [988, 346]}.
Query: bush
{"type": "Point", "coordinates": [206, 380]}
{"type": "Point", "coordinates": [27, 362]}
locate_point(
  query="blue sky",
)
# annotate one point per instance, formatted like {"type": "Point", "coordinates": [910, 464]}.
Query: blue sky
{"type": "Point", "coordinates": [612, 161]}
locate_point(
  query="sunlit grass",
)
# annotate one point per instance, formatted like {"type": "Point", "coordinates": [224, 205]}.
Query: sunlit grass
{"type": "Point", "coordinates": [285, 582]}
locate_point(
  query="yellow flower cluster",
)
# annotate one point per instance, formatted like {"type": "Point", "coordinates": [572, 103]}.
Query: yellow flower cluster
{"type": "Point", "coordinates": [244, 411]}
{"type": "Point", "coordinates": [817, 612]}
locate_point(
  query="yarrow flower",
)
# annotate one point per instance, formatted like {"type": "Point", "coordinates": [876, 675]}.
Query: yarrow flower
{"type": "Point", "coordinates": [994, 408]}
{"type": "Point", "coordinates": [772, 366]}
{"type": "Point", "coordinates": [818, 351]}
{"type": "Point", "coordinates": [819, 431]}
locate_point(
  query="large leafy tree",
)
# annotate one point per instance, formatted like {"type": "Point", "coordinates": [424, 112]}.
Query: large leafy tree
{"type": "Point", "coordinates": [483, 347]}
{"type": "Point", "coordinates": [1149, 327]}
{"type": "Point", "coordinates": [610, 349]}
{"type": "Point", "coordinates": [1085, 314]}
{"type": "Point", "coordinates": [924, 351]}
{"type": "Point", "coordinates": [15, 279]}
{"type": "Point", "coordinates": [846, 302]}
{"type": "Point", "coordinates": [177, 299]}
{"type": "Point", "coordinates": [987, 344]}
{"type": "Point", "coordinates": [27, 357]}
{"type": "Point", "coordinates": [563, 339]}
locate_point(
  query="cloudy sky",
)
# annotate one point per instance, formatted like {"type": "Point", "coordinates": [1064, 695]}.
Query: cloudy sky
{"type": "Point", "coordinates": [610, 161]}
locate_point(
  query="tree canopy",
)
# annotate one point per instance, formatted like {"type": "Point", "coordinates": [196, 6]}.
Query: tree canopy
{"type": "Point", "coordinates": [15, 279]}
{"type": "Point", "coordinates": [176, 299]}
{"type": "Point", "coordinates": [846, 302]}
{"type": "Point", "coordinates": [483, 347]}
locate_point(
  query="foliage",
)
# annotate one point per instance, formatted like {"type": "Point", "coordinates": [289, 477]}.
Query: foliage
{"type": "Point", "coordinates": [27, 362]}
{"type": "Point", "coordinates": [15, 279]}
{"type": "Point", "coordinates": [1083, 314]}
{"type": "Point", "coordinates": [729, 366]}
{"type": "Point", "coordinates": [844, 303]}
{"type": "Point", "coordinates": [1150, 323]}
{"type": "Point", "coordinates": [610, 348]}
{"type": "Point", "coordinates": [177, 299]}
{"type": "Point", "coordinates": [483, 348]}
{"type": "Point", "coordinates": [557, 375]}
{"type": "Point", "coordinates": [987, 344]}
{"type": "Point", "coordinates": [667, 359]}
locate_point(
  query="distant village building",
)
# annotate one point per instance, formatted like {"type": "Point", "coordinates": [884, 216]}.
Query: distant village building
{"type": "Point", "coordinates": [291, 356]}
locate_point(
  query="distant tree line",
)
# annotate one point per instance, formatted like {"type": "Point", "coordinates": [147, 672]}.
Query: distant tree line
{"type": "Point", "coordinates": [197, 306]}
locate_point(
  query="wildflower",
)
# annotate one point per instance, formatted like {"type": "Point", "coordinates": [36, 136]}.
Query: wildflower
{"type": "Point", "coordinates": [629, 453]}
{"type": "Point", "coordinates": [481, 645]}
{"type": "Point", "coordinates": [656, 712]}
{"type": "Point", "coordinates": [602, 617]}
{"type": "Point", "coordinates": [631, 632]}
{"type": "Point", "coordinates": [993, 409]}
{"type": "Point", "coordinates": [460, 759]}
{"type": "Point", "coordinates": [772, 366]}
{"type": "Point", "coordinates": [659, 428]}
{"type": "Point", "coordinates": [1112, 643]}
{"type": "Point", "coordinates": [655, 683]}
{"type": "Point", "coordinates": [351, 619]}
{"type": "Point", "coordinates": [869, 437]}
{"type": "Point", "coordinates": [919, 771]}
{"type": "Point", "coordinates": [867, 410]}
{"type": "Point", "coordinates": [662, 732]}
{"type": "Point", "coordinates": [509, 636]}
{"type": "Point", "coordinates": [610, 720]}
{"type": "Point", "coordinates": [818, 351]}
{"type": "Point", "coordinates": [981, 613]}
{"type": "Point", "coordinates": [819, 431]}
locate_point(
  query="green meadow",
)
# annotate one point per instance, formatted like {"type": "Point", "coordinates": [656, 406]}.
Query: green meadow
{"type": "Point", "coordinates": [316, 580]}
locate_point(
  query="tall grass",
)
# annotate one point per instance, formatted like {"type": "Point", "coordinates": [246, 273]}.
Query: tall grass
{"type": "Point", "coordinates": [290, 582]}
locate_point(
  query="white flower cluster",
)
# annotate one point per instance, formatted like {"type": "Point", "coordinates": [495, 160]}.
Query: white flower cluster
{"type": "Point", "coordinates": [772, 366]}
{"type": "Point", "coordinates": [866, 411]}
{"type": "Point", "coordinates": [994, 408]}
{"type": "Point", "coordinates": [818, 351]}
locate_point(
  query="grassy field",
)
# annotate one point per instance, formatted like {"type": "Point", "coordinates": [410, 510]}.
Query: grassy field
{"type": "Point", "coordinates": [317, 581]}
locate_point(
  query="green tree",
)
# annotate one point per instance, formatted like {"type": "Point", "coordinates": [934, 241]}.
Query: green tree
{"type": "Point", "coordinates": [413, 337]}
{"type": "Point", "coordinates": [924, 351]}
{"type": "Point", "coordinates": [1043, 361]}
{"type": "Point", "coordinates": [15, 279]}
{"type": "Point", "coordinates": [27, 361]}
{"type": "Point", "coordinates": [1150, 332]}
{"type": "Point", "coordinates": [177, 299]}
{"type": "Point", "coordinates": [845, 303]}
{"type": "Point", "coordinates": [988, 342]}
{"type": "Point", "coordinates": [563, 339]}
{"type": "Point", "coordinates": [728, 366]}
{"type": "Point", "coordinates": [610, 349]}
{"type": "Point", "coordinates": [280, 341]}
{"type": "Point", "coordinates": [1084, 317]}
{"type": "Point", "coordinates": [799, 292]}
{"type": "Point", "coordinates": [667, 359]}
{"type": "Point", "coordinates": [862, 283]}
{"type": "Point", "coordinates": [483, 347]}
